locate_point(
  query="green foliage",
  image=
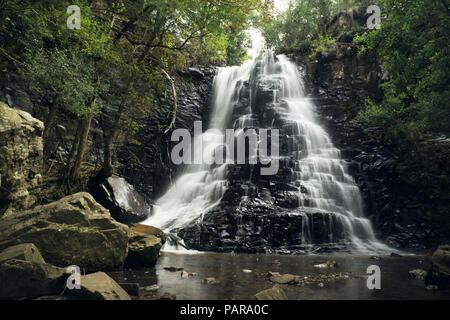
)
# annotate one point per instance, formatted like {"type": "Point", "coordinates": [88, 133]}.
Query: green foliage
{"type": "Point", "coordinates": [414, 44]}
{"type": "Point", "coordinates": [301, 25]}
{"type": "Point", "coordinates": [63, 78]}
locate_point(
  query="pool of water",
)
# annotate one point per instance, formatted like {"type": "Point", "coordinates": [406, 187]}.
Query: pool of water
{"type": "Point", "coordinates": [234, 283]}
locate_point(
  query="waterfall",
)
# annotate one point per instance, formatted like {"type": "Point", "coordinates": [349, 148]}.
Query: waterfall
{"type": "Point", "coordinates": [320, 175]}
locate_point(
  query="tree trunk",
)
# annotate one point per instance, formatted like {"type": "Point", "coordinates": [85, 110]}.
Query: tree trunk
{"type": "Point", "coordinates": [73, 150]}
{"type": "Point", "coordinates": [50, 119]}
{"type": "Point", "coordinates": [108, 169]}
{"type": "Point", "coordinates": [86, 125]}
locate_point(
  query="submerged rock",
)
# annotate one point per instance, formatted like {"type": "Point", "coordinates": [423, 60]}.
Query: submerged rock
{"type": "Point", "coordinates": [275, 293]}
{"type": "Point", "coordinates": [21, 150]}
{"type": "Point", "coordinates": [211, 280]}
{"type": "Point", "coordinates": [285, 279]}
{"type": "Point", "coordinates": [328, 264]}
{"type": "Point", "coordinates": [75, 230]}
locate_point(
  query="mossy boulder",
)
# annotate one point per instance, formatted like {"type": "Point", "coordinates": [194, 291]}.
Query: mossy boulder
{"type": "Point", "coordinates": [25, 251]}
{"type": "Point", "coordinates": [75, 230]}
{"type": "Point", "coordinates": [26, 279]}
{"type": "Point", "coordinates": [21, 150]}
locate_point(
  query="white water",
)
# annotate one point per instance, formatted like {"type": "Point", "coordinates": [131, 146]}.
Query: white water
{"type": "Point", "coordinates": [319, 168]}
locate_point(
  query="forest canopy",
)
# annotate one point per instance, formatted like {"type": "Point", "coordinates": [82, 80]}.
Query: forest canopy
{"type": "Point", "coordinates": [140, 42]}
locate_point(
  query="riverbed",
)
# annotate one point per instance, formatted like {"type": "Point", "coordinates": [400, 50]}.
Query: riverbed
{"type": "Point", "coordinates": [240, 276]}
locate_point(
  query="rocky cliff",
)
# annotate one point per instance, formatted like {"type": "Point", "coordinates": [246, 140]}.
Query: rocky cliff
{"type": "Point", "coordinates": [20, 158]}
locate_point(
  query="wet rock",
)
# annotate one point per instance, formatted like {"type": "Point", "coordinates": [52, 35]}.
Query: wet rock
{"type": "Point", "coordinates": [395, 255]}
{"type": "Point", "coordinates": [439, 273]}
{"type": "Point", "coordinates": [167, 296]}
{"type": "Point", "coordinates": [196, 72]}
{"type": "Point", "coordinates": [153, 170]}
{"type": "Point", "coordinates": [275, 293]}
{"type": "Point", "coordinates": [99, 286]}
{"type": "Point", "coordinates": [131, 288]}
{"type": "Point", "coordinates": [211, 281]}
{"type": "Point", "coordinates": [53, 298]}
{"type": "Point", "coordinates": [173, 269]}
{"type": "Point", "coordinates": [272, 274]}
{"type": "Point", "coordinates": [24, 251]}
{"type": "Point", "coordinates": [328, 264]}
{"type": "Point", "coordinates": [75, 230]}
{"type": "Point", "coordinates": [151, 288]}
{"type": "Point", "coordinates": [21, 150]}
{"type": "Point", "coordinates": [418, 274]}
{"type": "Point", "coordinates": [143, 249]}
{"type": "Point", "coordinates": [125, 204]}
{"type": "Point", "coordinates": [149, 230]}
{"type": "Point", "coordinates": [26, 279]}
{"type": "Point", "coordinates": [285, 279]}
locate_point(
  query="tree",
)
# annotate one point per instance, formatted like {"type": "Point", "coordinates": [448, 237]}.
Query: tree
{"type": "Point", "coordinates": [413, 42]}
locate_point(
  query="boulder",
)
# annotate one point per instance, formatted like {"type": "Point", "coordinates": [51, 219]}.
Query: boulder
{"type": "Point", "coordinates": [275, 293]}
{"type": "Point", "coordinates": [24, 251]}
{"type": "Point", "coordinates": [99, 286]}
{"type": "Point", "coordinates": [75, 230]}
{"type": "Point", "coordinates": [20, 159]}
{"type": "Point", "coordinates": [149, 230]}
{"type": "Point", "coordinates": [439, 273]}
{"type": "Point", "coordinates": [125, 204]}
{"type": "Point", "coordinates": [285, 279]}
{"type": "Point", "coordinates": [26, 279]}
{"type": "Point", "coordinates": [143, 249]}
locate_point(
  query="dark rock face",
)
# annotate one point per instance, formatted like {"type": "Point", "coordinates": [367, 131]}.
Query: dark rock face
{"type": "Point", "coordinates": [148, 166]}
{"type": "Point", "coordinates": [125, 204]}
{"type": "Point", "coordinates": [255, 227]}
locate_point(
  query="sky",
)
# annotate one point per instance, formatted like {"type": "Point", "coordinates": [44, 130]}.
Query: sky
{"type": "Point", "coordinates": [256, 36]}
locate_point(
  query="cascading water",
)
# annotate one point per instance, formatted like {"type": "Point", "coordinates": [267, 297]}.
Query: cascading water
{"type": "Point", "coordinates": [319, 175]}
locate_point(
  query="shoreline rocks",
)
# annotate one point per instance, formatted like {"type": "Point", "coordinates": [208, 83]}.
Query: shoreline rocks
{"type": "Point", "coordinates": [75, 230]}
{"type": "Point", "coordinates": [143, 249]}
